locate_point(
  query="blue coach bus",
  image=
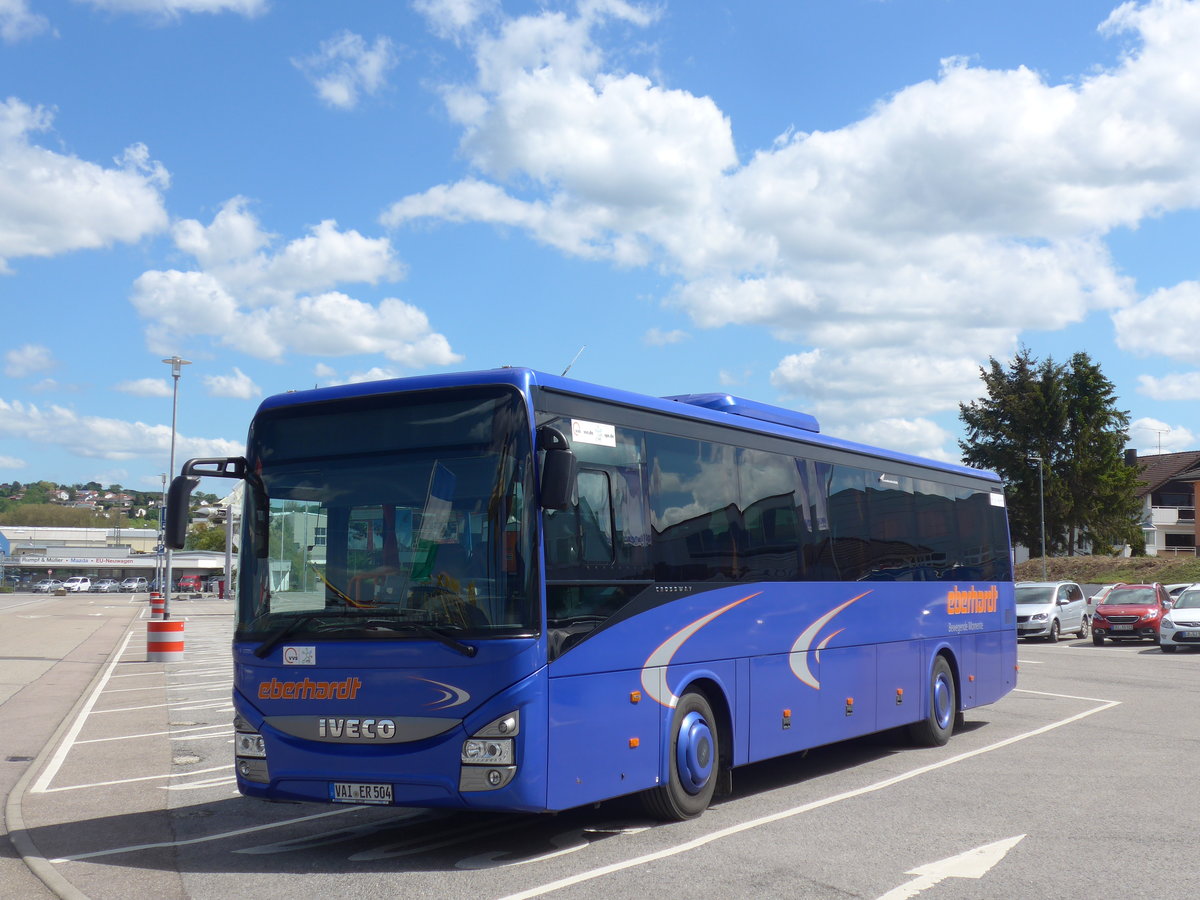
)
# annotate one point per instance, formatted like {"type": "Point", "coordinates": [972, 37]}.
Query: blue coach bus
{"type": "Point", "coordinates": [509, 590]}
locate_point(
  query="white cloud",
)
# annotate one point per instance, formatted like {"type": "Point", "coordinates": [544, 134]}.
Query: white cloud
{"type": "Point", "coordinates": [237, 385]}
{"type": "Point", "coordinates": [733, 379]}
{"type": "Point", "coordinates": [450, 18]}
{"type": "Point", "coordinates": [1152, 436]}
{"type": "Point", "coordinates": [103, 438]}
{"type": "Point", "coordinates": [1165, 323]}
{"type": "Point", "coordinates": [656, 337]}
{"type": "Point", "coordinates": [346, 67]}
{"type": "Point", "coordinates": [919, 436]}
{"type": "Point", "coordinates": [12, 462]}
{"type": "Point", "coordinates": [145, 387]}
{"type": "Point", "coordinates": [233, 251]}
{"type": "Point", "coordinates": [28, 360]}
{"type": "Point", "coordinates": [375, 373]}
{"type": "Point", "coordinates": [174, 8]}
{"type": "Point", "coordinates": [52, 203]}
{"type": "Point", "coordinates": [17, 23]}
{"type": "Point", "coordinates": [1183, 386]}
{"type": "Point", "coordinates": [902, 249]}
{"type": "Point", "coordinates": [266, 304]}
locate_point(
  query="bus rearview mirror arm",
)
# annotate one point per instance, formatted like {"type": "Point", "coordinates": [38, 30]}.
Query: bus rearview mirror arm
{"type": "Point", "coordinates": [175, 516]}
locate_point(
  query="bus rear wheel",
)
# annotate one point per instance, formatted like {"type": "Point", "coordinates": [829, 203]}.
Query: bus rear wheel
{"type": "Point", "coordinates": [937, 726]}
{"type": "Point", "coordinates": [693, 762]}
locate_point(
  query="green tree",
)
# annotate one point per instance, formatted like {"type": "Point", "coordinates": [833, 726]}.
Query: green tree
{"type": "Point", "coordinates": [206, 537]}
{"type": "Point", "coordinates": [1101, 489]}
{"type": "Point", "coordinates": [1065, 416]}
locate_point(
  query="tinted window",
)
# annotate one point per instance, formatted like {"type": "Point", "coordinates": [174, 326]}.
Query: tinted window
{"type": "Point", "coordinates": [695, 520]}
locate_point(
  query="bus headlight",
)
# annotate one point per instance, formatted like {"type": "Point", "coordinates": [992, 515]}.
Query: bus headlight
{"type": "Point", "coordinates": [250, 745]}
{"type": "Point", "coordinates": [487, 752]}
{"type": "Point", "coordinates": [489, 755]}
{"type": "Point", "coordinates": [249, 751]}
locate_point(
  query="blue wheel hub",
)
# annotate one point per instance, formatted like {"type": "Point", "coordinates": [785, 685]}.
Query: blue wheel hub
{"type": "Point", "coordinates": [694, 753]}
{"type": "Point", "coordinates": [943, 702]}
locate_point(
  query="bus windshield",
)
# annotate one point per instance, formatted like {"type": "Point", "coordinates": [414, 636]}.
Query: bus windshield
{"type": "Point", "coordinates": [390, 516]}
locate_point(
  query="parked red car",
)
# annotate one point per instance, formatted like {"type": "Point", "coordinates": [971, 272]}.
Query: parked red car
{"type": "Point", "coordinates": [192, 583]}
{"type": "Point", "coordinates": [1130, 612]}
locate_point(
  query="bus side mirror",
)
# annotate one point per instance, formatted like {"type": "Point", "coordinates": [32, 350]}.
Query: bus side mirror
{"type": "Point", "coordinates": [175, 516]}
{"type": "Point", "coordinates": [175, 519]}
{"type": "Point", "coordinates": [558, 469]}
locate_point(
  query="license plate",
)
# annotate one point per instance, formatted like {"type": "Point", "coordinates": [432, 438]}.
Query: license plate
{"type": "Point", "coordinates": [1122, 628]}
{"type": "Point", "coordinates": [351, 792]}
{"type": "Point", "coordinates": [1187, 634]}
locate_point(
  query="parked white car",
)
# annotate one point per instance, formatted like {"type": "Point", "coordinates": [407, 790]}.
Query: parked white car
{"type": "Point", "coordinates": [1045, 609]}
{"type": "Point", "coordinates": [1097, 598]}
{"type": "Point", "coordinates": [77, 583]}
{"type": "Point", "coordinates": [1180, 627]}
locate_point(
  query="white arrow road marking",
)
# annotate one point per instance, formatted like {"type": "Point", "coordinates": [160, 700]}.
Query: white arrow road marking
{"type": "Point", "coordinates": [972, 864]}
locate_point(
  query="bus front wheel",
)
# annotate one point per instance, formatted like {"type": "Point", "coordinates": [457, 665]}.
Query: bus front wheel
{"type": "Point", "coordinates": [693, 762]}
{"type": "Point", "coordinates": [937, 726]}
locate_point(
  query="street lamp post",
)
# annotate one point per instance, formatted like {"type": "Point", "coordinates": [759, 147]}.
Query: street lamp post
{"type": "Point", "coordinates": [1034, 458]}
{"type": "Point", "coordinates": [176, 365]}
{"type": "Point", "coordinates": [160, 547]}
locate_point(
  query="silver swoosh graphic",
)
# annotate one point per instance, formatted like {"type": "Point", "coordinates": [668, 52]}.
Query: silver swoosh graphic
{"type": "Point", "coordinates": [657, 688]}
{"type": "Point", "coordinates": [798, 659]}
{"type": "Point", "coordinates": [450, 695]}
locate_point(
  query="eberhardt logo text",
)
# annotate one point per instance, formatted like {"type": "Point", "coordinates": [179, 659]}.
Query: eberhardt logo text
{"type": "Point", "coordinates": [971, 602]}
{"type": "Point", "coordinates": [309, 689]}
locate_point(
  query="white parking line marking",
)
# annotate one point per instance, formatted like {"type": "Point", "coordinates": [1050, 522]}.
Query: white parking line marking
{"type": "Point", "coordinates": [177, 731]}
{"type": "Point", "coordinates": [1062, 696]}
{"type": "Point", "coordinates": [206, 838]}
{"type": "Point", "coordinates": [41, 786]}
{"type": "Point", "coordinates": [155, 687]}
{"type": "Point", "coordinates": [798, 810]}
{"type": "Point", "coordinates": [130, 708]}
{"type": "Point", "coordinates": [78, 787]}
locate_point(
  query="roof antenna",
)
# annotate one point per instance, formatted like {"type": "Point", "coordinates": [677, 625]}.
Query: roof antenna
{"type": "Point", "coordinates": [574, 358]}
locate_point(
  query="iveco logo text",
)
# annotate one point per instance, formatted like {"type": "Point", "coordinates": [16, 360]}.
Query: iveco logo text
{"type": "Point", "coordinates": [360, 729]}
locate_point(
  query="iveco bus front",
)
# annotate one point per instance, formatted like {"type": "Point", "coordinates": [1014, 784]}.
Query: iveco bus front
{"type": "Point", "coordinates": [388, 620]}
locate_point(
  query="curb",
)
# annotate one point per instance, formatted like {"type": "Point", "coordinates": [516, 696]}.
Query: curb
{"type": "Point", "coordinates": [54, 880]}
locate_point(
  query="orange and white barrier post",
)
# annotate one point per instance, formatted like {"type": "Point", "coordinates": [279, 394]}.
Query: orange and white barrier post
{"type": "Point", "coordinates": [158, 606]}
{"type": "Point", "coordinates": [164, 641]}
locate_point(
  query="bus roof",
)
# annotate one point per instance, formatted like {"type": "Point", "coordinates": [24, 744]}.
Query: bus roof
{"type": "Point", "coordinates": [720, 408]}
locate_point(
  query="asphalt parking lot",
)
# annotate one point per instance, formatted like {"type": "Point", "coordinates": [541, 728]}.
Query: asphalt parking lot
{"type": "Point", "coordinates": [131, 794]}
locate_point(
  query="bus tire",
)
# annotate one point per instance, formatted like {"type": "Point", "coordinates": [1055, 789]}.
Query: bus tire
{"type": "Point", "coordinates": [937, 726]}
{"type": "Point", "coordinates": [693, 762]}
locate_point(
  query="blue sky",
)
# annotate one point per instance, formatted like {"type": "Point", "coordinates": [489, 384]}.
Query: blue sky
{"type": "Point", "coordinates": [843, 207]}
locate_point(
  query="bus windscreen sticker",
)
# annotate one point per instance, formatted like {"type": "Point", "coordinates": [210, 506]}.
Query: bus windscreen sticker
{"type": "Point", "coordinates": [593, 433]}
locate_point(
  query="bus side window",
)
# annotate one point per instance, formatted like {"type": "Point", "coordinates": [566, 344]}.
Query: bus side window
{"type": "Point", "coordinates": [582, 533]}
{"type": "Point", "coordinates": [595, 517]}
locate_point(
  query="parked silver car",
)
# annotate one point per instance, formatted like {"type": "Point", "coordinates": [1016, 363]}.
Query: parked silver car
{"type": "Point", "coordinates": [1045, 609]}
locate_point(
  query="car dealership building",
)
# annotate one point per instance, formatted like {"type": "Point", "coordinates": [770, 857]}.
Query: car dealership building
{"type": "Point", "coordinates": [36, 552]}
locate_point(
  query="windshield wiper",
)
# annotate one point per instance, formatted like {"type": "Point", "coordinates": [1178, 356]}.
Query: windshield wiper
{"type": "Point", "coordinates": [437, 634]}
{"type": "Point", "coordinates": [577, 620]}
